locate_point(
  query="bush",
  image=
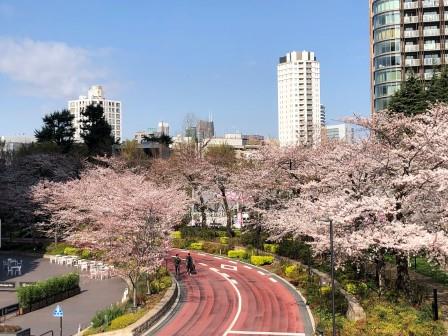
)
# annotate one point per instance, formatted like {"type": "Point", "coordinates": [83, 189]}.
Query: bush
{"type": "Point", "coordinates": [43, 289]}
{"type": "Point", "coordinates": [196, 246]}
{"type": "Point", "coordinates": [261, 260]}
{"type": "Point", "coordinates": [176, 235]}
{"type": "Point", "coordinates": [295, 249]}
{"type": "Point", "coordinates": [240, 254]}
{"type": "Point", "coordinates": [359, 288]}
{"type": "Point", "coordinates": [202, 233]}
{"type": "Point", "coordinates": [104, 317]}
{"type": "Point", "coordinates": [224, 240]}
{"type": "Point", "coordinates": [292, 271]}
{"type": "Point", "coordinates": [126, 320]}
{"type": "Point", "coordinates": [71, 251]}
{"type": "Point", "coordinates": [271, 248]}
{"type": "Point", "coordinates": [215, 248]}
{"type": "Point", "coordinates": [325, 290]}
{"type": "Point", "coordinates": [58, 248]}
{"type": "Point", "coordinates": [158, 285]}
{"type": "Point", "coordinates": [85, 254]}
{"type": "Point", "coordinates": [179, 243]}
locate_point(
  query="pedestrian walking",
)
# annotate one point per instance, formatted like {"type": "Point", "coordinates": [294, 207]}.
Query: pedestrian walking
{"type": "Point", "coordinates": [177, 261]}
{"type": "Point", "coordinates": [190, 264]}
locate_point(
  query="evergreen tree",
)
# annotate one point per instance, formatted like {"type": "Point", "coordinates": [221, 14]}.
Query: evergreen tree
{"type": "Point", "coordinates": [438, 87]}
{"type": "Point", "coordinates": [96, 131]}
{"type": "Point", "coordinates": [411, 99]}
{"type": "Point", "coordinates": [58, 128]}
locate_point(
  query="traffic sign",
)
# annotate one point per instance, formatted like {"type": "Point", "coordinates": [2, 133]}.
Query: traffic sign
{"type": "Point", "coordinates": [58, 312]}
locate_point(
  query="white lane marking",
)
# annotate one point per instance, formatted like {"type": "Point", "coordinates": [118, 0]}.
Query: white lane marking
{"type": "Point", "coordinates": [265, 333]}
{"type": "Point", "coordinates": [225, 275]}
{"type": "Point", "coordinates": [232, 262]}
{"type": "Point", "coordinates": [202, 264]}
{"type": "Point", "coordinates": [261, 273]}
{"type": "Point", "coordinates": [273, 280]}
{"type": "Point", "coordinates": [218, 258]}
{"type": "Point", "coordinates": [238, 312]}
{"type": "Point", "coordinates": [229, 267]}
{"type": "Point", "coordinates": [248, 267]}
{"type": "Point", "coordinates": [213, 269]}
{"type": "Point", "coordinates": [202, 254]}
{"type": "Point", "coordinates": [234, 281]}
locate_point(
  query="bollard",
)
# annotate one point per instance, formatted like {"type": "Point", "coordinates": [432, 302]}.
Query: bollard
{"type": "Point", "coordinates": [435, 305]}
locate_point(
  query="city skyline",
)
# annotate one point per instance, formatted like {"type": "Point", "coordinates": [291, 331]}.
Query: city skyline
{"type": "Point", "coordinates": [164, 62]}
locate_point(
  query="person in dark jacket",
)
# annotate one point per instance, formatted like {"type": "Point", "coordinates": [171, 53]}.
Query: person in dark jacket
{"type": "Point", "coordinates": [190, 264]}
{"type": "Point", "coordinates": [177, 261]}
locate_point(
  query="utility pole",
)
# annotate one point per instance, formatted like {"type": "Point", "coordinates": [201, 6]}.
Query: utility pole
{"type": "Point", "coordinates": [332, 277]}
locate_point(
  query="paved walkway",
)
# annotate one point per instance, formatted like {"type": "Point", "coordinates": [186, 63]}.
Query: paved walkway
{"type": "Point", "coordinates": [78, 310]}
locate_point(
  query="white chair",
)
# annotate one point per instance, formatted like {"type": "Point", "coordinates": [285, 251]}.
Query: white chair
{"type": "Point", "coordinates": [93, 273]}
{"type": "Point", "coordinates": [17, 270]}
{"type": "Point", "coordinates": [10, 271]}
{"type": "Point", "coordinates": [5, 264]}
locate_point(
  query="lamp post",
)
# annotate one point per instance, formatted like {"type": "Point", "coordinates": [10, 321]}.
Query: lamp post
{"type": "Point", "coordinates": [332, 277]}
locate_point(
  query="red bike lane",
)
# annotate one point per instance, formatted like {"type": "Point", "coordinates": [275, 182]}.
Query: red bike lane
{"type": "Point", "coordinates": [227, 297]}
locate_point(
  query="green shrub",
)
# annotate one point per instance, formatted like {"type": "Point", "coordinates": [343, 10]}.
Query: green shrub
{"type": "Point", "coordinates": [240, 254]}
{"type": "Point", "coordinates": [325, 290]}
{"type": "Point", "coordinates": [215, 248]}
{"type": "Point", "coordinates": [295, 249]}
{"type": "Point", "coordinates": [271, 248]}
{"type": "Point", "coordinates": [200, 233]}
{"type": "Point", "coordinates": [126, 320]}
{"type": "Point", "coordinates": [356, 288]}
{"type": "Point", "coordinates": [71, 251]}
{"type": "Point", "coordinates": [43, 289]}
{"type": "Point", "coordinates": [56, 248]}
{"type": "Point", "coordinates": [261, 260]}
{"type": "Point", "coordinates": [104, 317]}
{"type": "Point", "coordinates": [196, 246]}
{"type": "Point", "coordinates": [176, 235]}
{"type": "Point", "coordinates": [292, 271]}
{"type": "Point", "coordinates": [85, 254]}
{"type": "Point", "coordinates": [224, 240]}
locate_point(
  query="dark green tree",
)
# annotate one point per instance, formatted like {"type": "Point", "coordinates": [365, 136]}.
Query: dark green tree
{"type": "Point", "coordinates": [58, 128]}
{"type": "Point", "coordinates": [438, 87]}
{"type": "Point", "coordinates": [96, 131]}
{"type": "Point", "coordinates": [411, 99]}
{"type": "Point", "coordinates": [163, 139]}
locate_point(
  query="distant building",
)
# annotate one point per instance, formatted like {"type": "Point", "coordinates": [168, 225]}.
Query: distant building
{"type": "Point", "coordinates": [163, 128]}
{"type": "Point", "coordinates": [95, 96]}
{"type": "Point", "coordinates": [139, 136]}
{"type": "Point", "coordinates": [14, 143]}
{"type": "Point", "coordinates": [205, 130]}
{"type": "Point", "coordinates": [254, 140]}
{"type": "Point", "coordinates": [322, 115]}
{"type": "Point", "coordinates": [235, 140]}
{"type": "Point", "coordinates": [341, 132]}
{"type": "Point", "coordinates": [299, 108]}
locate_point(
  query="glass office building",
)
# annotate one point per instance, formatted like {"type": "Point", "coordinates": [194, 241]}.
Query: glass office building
{"type": "Point", "coordinates": [405, 36]}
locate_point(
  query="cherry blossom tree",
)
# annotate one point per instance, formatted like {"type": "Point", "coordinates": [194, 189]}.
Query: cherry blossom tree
{"type": "Point", "coordinates": [122, 214]}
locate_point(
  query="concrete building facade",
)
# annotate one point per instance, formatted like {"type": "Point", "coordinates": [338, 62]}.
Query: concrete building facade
{"type": "Point", "coordinates": [299, 108]}
{"type": "Point", "coordinates": [95, 96]}
{"type": "Point", "coordinates": [405, 36]}
{"type": "Point", "coordinates": [341, 132]}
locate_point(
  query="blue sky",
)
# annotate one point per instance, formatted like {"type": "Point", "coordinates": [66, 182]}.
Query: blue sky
{"type": "Point", "coordinates": [165, 59]}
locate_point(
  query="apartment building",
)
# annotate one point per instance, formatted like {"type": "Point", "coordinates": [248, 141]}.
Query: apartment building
{"type": "Point", "coordinates": [405, 36]}
{"type": "Point", "coordinates": [299, 108]}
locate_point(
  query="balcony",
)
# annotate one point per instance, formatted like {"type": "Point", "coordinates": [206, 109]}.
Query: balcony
{"type": "Point", "coordinates": [430, 3]}
{"type": "Point", "coordinates": [432, 46]}
{"type": "Point", "coordinates": [432, 61]}
{"type": "Point", "coordinates": [412, 62]}
{"type": "Point", "coordinates": [411, 33]}
{"type": "Point", "coordinates": [410, 19]}
{"type": "Point", "coordinates": [411, 48]}
{"type": "Point", "coordinates": [431, 18]}
{"type": "Point", "coordinates": [431, 32]}
{"type": "Point", "coordinates": [410, 5]}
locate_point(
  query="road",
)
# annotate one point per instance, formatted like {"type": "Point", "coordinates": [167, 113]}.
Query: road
{"type": "Point", "coordinates": [229, 298]}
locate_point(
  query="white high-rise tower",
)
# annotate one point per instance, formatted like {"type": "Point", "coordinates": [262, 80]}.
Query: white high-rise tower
{"type": "Point", "coordinates": [299, 108]}
{"type": "Point", "coordinates": [95, 96]}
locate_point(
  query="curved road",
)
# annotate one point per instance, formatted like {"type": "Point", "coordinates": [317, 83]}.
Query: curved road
{"type": "Point", "coordinates": [226, 297]}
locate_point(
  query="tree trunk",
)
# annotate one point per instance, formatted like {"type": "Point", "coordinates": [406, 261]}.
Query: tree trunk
{"type": "Point", "coordinates": [202, 208]}
{"type": "Point", "coordinates": [403, 282]}
{"type": "Point", "coordinates": [380, 272]}
{"type": "Point", "coordinates": [230, 232]}
{"type": "Point", "coordinates": [134, 296]}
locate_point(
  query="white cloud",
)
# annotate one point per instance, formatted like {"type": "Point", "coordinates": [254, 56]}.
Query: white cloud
{"type": "Point", "coordinates": [51, 69]}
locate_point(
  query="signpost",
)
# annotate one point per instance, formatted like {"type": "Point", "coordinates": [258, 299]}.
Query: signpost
{"type": "Point", "coordinates": [59, 313]}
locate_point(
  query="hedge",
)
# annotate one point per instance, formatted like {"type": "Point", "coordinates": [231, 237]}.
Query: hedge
{"type": "Point", "coordinates": [240, 254]}
{"type": "Point", "coordinates": [71, 251]}
{"type": "Point", "coordinates": [103, 317]}
{"type": "Point", "coordinates": [292, 271]}
{"type": "Point", "coordinates": [43, 289]}
{"type": "Point", "coordinates": [197, 246]}
{"type": "Point", "coordinates": [126, 320]}
{"type": "Point", "coordinates": [261, 260]}
{"type": "Point", "coordinates": [224, 240]}
{"type": "Point", "coordinates": [271, 248]}
{"type": "Point", "coordinates": [176, 235]}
